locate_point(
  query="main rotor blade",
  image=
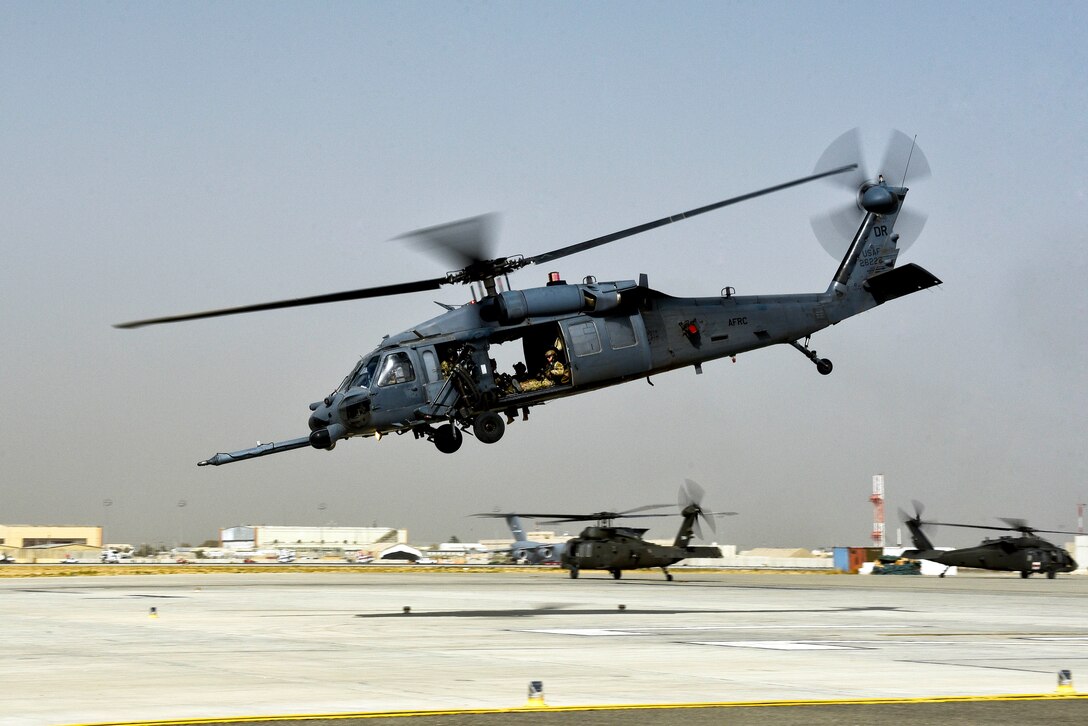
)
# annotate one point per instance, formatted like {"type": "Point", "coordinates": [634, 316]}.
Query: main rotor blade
{"type": "Point", "coordinates": [598, 241]}
{"type": "Point", "coordinates": [627, 512]}
{"type": "Point", "coordinates": [462, 243]}
{"type": "Point", "coordinates": [381, 291]}
{"type": "Point", "coordinates": [969, 526]}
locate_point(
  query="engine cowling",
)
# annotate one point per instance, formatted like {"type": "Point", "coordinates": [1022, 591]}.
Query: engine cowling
{"type": "Point", "coordinates": [514, 306]}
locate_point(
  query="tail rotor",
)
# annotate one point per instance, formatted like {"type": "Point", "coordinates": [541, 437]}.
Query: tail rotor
{"type": "Point", "coordinates": [690, 499]}
{"type": "Point", "coordinates": [903, 163]}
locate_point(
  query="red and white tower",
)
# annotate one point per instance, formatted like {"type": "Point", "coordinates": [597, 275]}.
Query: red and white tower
{"type": "Point", "coordinates": [878, 510]}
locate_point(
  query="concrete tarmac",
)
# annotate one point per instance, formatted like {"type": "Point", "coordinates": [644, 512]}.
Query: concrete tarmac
{"type": "Point", "coordinates": [276, 642]}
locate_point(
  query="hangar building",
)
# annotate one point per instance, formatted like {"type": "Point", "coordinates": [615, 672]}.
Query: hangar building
{"type": "Point", "coordinates": [50, 542]}
{"type": "Point", "coordinates": [310, 540]}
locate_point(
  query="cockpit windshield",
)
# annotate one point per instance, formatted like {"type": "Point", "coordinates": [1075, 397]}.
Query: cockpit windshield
{"type": "Point", "coordinates": [362, 375]}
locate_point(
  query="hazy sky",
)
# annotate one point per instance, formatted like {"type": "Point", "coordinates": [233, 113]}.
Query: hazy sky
{"type": "Point", "coordinates": [162, 158]}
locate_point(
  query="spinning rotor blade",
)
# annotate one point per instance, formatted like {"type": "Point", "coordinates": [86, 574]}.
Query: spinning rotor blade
{"type": "Point", "coordinates": [903, 163]}
{"type": "Point", "coordinates": [595, 516]}
{"type": "Point", "coordinates": [918, 509]}
{"type": "Point", "coordinates": [844, 150]}
{"type": "Point", "coordinates": [463, 243]}
{"type": "Point", "coordinates": [1016, 523]}
{"type": "Point", "coordinates": [691, 494]}
{"type": "Point", "coordinates": [468, 243]}
{"type": "Point", "coordinates": [598, 241]}
{"type": "Point", "coordinates": [381, 291]}
{"type": "Point", "coordinates": [1021, 525]}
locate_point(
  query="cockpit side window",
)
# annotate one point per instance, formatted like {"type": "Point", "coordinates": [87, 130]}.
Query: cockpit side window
{"type": "Point", "coordinates": [397, 368]}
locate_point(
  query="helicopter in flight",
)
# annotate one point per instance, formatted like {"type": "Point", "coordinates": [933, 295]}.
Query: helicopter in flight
{"type": "Point", "coordinates": [439, 380]}
{"type": "Point", "coordinates": [604, 546]}
{"type": "Point", "coordinates": [1027, 554]}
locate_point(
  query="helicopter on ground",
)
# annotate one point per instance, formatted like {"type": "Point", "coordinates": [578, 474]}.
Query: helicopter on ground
{"type": "Point", "coordinates": [526, 550]}
{"type": "Point", "coordinates": [1027, 554]}
{"type": "Point", "coordinates": [438, 379]}
{"type": "Point", "coordinates": [603, 546]}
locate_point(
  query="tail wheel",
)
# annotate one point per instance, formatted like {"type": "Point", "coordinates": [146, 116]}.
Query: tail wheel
{"type": "Point", "coordinates": [574, 573]}
{"type": "Point", "coordinates": [616, 574]}
{"type": "Point", "coordinates": [448, 438]}
{"type": "Point", "coordinates": [488, 427]}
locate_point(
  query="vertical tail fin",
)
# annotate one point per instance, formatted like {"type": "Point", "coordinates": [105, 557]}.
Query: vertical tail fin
{"type": "Point", "coordinates": [917, 536]}
{"type": "Point", "coordinates": [874, 248]}
{"type": "Point", "coordinates": [514, 522]}
{"type": "Point", "coordinates": [687, 527]}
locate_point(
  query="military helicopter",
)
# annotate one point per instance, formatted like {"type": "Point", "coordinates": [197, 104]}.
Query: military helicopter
{"type": "Point", "coordinates": [438, 379]}
{"type": "Point", "coordinates": [1026, 554]}
{"type": "Point", "coordinates": [604, 546]}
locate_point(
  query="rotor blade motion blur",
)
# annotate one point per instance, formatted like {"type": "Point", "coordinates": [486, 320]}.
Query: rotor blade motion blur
{"type": "Point", "coordinates": [598, 241]}
{"type": "Point", "coordinates": [903, 163]}
{"type": "Point", "coordinates": [468, 242]}
{"type": "Point", "coordinates": [382, 291]}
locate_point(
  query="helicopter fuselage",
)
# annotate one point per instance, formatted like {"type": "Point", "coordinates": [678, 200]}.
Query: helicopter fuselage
{"type": "Point", "coordinates": [1026, 555]}
{"type": "Point", "coordinates": [615, 549]}
{"type": "Point", "coordinates": [444, 370]}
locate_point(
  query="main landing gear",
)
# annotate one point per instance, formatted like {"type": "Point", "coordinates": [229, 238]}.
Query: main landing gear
{"type": "Point", "coordinates": [823, 365]}
{"type": "Point", "coordinates": [447, 438]}
{"type": "Point", "coordinates": [488, 427]}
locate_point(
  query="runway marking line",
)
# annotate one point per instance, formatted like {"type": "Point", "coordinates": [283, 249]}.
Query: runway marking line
{"type": "Point", "coordinates": [603, 707]}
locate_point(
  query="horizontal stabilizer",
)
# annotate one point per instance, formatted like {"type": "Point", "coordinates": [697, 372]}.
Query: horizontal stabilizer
{"type": "Point", "coordinates": [899, 282]}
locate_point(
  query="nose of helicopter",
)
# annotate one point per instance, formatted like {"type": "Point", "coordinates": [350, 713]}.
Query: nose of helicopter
{"type": "Point", "coordinates": [321, 416]}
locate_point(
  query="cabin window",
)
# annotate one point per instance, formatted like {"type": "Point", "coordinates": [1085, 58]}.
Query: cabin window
{"type": "Point", "coordinates": [621, 334]}
{"type": "Point", "coordinates": [430, 366]}
{"type": "Point", "coordinates": [397, 368]}
{"type": "Point", "coordinates": [584, 339]}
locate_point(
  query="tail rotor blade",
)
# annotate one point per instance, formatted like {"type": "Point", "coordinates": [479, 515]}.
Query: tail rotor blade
{"type": "Point", "coordinates": [904, 161]}
{"type": "Point", "coordinates": [693, 492]}
{"type": "Point", "coordinates": [837, 228]}
{"type": "Point", "coordinates": [908, 226]}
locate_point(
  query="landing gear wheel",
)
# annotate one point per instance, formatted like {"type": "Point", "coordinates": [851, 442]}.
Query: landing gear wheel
{"type": "Point", "coordinates": [574, 573]}
{"type": "Point", "coordinates": [1025, 575]}
{"type": "Point", "coordinates": [448, 438]}
{"type": "Point", "coordinates": [823, 366]}
{"type": "Point", "coordinates": [488, 427]}
{"type": "Point", "coordinates": [616, 574]}
{"type": "Point", "coordinates": [1051, 575]}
